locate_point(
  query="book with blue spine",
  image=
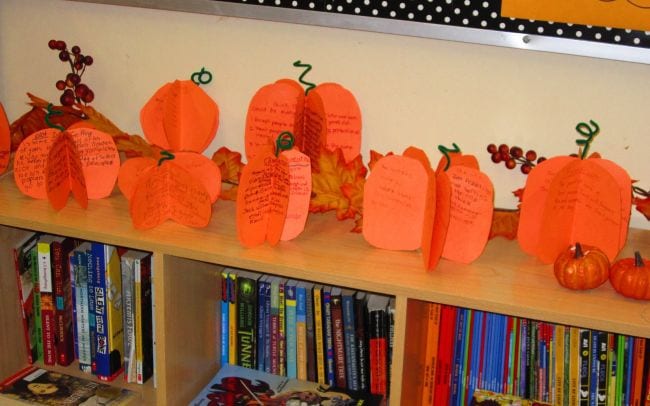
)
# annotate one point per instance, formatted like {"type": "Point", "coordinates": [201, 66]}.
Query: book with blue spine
{"type": "Point", "coordinates": [274, 294]}
{"type": "Point", "coordinates": [82, 304]}
{"type": "Point", "coordinates": [457, 357]}
{"type": "Point", "coordinates": [290, 326]}
{"type": "Point", "coordinates": [267, 324]}
{"type": "Point", "coordinates": [328, 336]}
{"type": "Point", "coordinates": [262, 322]}
{"type": "Point", "coordinates": [310, 332]}
{"type": "Point", "coordinates": [349, 327]}
{"type": "Point", "coordinates": [282, 328]}
{"type": "Point", "coordinates": [224, 312]}
{"type": "Point", "coordinates": [301, 330]}
{"type": "Point", "coordinates": [601, 393]}
{"type": "Point", "coordinates": [593, 367]}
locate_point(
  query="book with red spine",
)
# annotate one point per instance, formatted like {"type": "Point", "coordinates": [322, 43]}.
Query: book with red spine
{"type": "Point", "coordinates": [378, 343]}
{"type": "Point", "coordinates": [338, 337]}
{"type": "Point", "coordinates": [445, 355]}
{"type": "Point", "coordinates": [23, 262]}
{"type": "Point", "coordinates": [63, 300]}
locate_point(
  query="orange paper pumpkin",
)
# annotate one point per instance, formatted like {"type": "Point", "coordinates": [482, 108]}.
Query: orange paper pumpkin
{"type": "Point", "coordinates": [568, 199]}
{"type": "Point", "coordinates": [631, 277]}
{"type": "Point", "coordinates": [299, 193]}
{"type": "Point", "coordinates": [5, 140]}
{"type": "Point", "coordinates": [49, 159]}
{"type": "Point", "coordinates": [263, 199]}
{"type": "Point", "coordinates": [581, 267]}
{"type": "Point", "coordinates": [328, 118]}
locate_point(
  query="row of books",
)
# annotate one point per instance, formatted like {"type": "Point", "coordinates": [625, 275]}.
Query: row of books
{"type": "Point", "coordinates": [336, 337]}
{"type": "Point", "coordinates": [464, 350]}
{"type": "Point", "coordinates": [86, 301]}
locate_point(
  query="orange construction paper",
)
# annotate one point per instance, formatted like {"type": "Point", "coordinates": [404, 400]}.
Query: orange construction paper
{"type": "Point", "coordinates": [203, 169]}
{"type": "Point", "coordinates": [629, 14]}
{"type": "Point", "coordinates": [433, 243]}
{"type": "Point", "coordinates": [472, 205]}
{"type": "Point", "coordinates": [274, 108]}
{"type": "Point", "coordinates": [332, 120]}
{"type": "Point", "coordinates": [583, 205]}
{"type": "Point", "coordinates": [457, 158]}
{"type": "Point", "coordinates": [168, 191]}
{"type": "Point", "coordinates": [299, 193]}
{"type": "Point", "coordinates": [131, 172]}
{"type": "Point", "coordinates": [262, 200]}
{"type": "Point", "coordinates": [64, 173]}
{"type": "Point", "coordinates": [533, 201]}
{"type": "Point", "coordinates": [625, 185]}
{"type": "Point", "coordinates": [395, 202]}
{"type": "Point", "coordinates": [30, 162]}
{"type": "Point", "coordinates": [180, 116]}
{"type": "Point", "coordinates": [5, 140]}
{"type": "Point", "coordinates": [100, 160]}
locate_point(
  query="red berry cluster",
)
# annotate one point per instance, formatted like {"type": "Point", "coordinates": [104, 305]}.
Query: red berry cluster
{"type": "Point", "coordinates": [73, 89]}
{"type": "Point", "coordinates": [513, 156]}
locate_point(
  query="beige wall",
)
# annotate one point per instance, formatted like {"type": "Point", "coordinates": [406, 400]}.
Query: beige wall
{"type": "Point", "coordinates": [412, 91]}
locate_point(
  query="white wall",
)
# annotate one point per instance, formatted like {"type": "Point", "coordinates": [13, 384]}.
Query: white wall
{"type": "Point", "coordinates": [412, 91]}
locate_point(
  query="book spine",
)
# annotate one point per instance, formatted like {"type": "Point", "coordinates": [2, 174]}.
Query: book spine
{"type": "Point", "coordinates": [559, 365]}
{"type": "Point", "coordinates": [23, 268]}
{"type": "Point", "coordinates": [319, 334]}
{"type": "Point", "coordinates": [349, 322]}
{"type": "Point", "coordinates": [361, 340]}
{"type": "Point", "coordinates": [585, 351]}
{"type": "Point", "coordinates": [91, 310]}
{"type": "Point", "coordinates": [246, 322]}
{"type": "Point", "coordinates": [639, 361]}
{"type": "Point", "coordinates": [102, 365]}
{"type": "Point", "coordinates": [338, 340]}
{"type": "Point", "coordinates": [83, 311]}
{"type": "Point", "coordinates": [601, 391]}
{"type": "Point", "coordinates": [46, 286]}
{"type": "Point", "coordinates": [458, 356]}
{"type": "Point", "coordinates": [612, 342]}
{"type": "Point", "coordinates": [267, 326]}
{"type": "Point", "coordinates": [128, 304]}
{"type": "Point", "coordinates": [301, 332]}
{"type": "Point", "coordinates": [378, 346]}
{"type": "Point", "coordinates": [145, 360]}
{"type": "Point", "coordinates": [72, 267]}
{"type": "Point", "coordinates": [282, 330]}
{"type": "Point", "coordinates": [63, 302]}
{"type": "Point", "coordinates": [431, 333]}
{"type": "Point", "coordinates": [223, 325]}
{"type": "Point", "coordinates": [138, 330]}
{"type": "Point", "coordinates": [445, 354]}
{"type": "Point", "coordinates": [275, 318]}
{"type": "Point", "coordinates": [593, 367]}
{"type": "Point", "coordinates": [232, 318]}
{"type": "Point", "coordinates": [328, 338]}
{"type": "Point", "coordinates": [114, 312]}
{"type": "Point", "coordinates": [291, 335]}
{"type": "Point", "coordinates": [261, 323]}
{"type": "Point", "coordinates": [311, 336]}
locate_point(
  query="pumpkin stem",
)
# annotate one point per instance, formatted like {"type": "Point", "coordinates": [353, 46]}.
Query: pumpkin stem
{"type": "Point", "coordinates": [284, 142]}
{"type": "Point", "coordinates": [51, 112]}
{"type": "Point", "coordinates": [638, 261]}
{"type": "Point", "coordinates": [587, 131]}
{"type": "Point", "coordinates": [301, 79]}
{"type": "Point", "coordinates": [579, 253]}
{"type": "Point", "coordinates": [445, 151]}
{"type": "Point", "coordinates": [166, 155]}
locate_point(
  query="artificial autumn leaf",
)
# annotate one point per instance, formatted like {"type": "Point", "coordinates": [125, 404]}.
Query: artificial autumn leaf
{"type": "Point", "coordinates": [336, 185]}
{"type": "Point", "coordinates": [230, 165]}
{"type": "Point", "coordinates": [643, 206]}
{"type": "Point", "coordinates": [504, 224]}
{"type": "Point", "coordinates": [519, 193]}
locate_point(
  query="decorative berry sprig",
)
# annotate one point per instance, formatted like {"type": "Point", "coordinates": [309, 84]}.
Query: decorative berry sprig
{"type": "Point", "coordinates": [72, 88]}
{"type": "Point", "coordinates": [513, 156]}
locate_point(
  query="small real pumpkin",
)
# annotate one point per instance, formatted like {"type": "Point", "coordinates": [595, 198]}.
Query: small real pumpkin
{"type": "Point", "coordinates": [581, 267]}
{"type": "Point", "coordinates": [631, 277]}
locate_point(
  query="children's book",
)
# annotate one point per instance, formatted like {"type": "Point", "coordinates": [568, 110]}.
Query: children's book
{"type": "Point", "coordinates": [237, 386]}
{"type": "Point", "coordinates": [39, 386]}
{"type": "Point", "coordinates": [484, 397]}
{"type": "Point", "coordinates": [46, 288]}
{"type": "Point", "coordinates": [23, 266]}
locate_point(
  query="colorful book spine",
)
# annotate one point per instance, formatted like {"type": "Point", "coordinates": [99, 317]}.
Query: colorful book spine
{"type": "Point", "coordinates": [82, 305]}
{"type": "Point", "coordinates": [585, 352]}
{"type": "Point", "coordinates": [282, 328]}
{"type": "Point", "coordinates": [128, 314]}
{"type": "Point", "coordinates": [461, 316]}
{"type": "Point", "coordinates": [64, 341]}
{"type": "Point", "coordinates": [349, 326]}
{"type": "Point", "coordinates": [232, 317]}
{"type": "Point", "coordinates": [319, 334]}
{"type": "Point", "coordinates": [261, 322]}
{"type": "Point", "coordinates": [637, 375]}
{"type": "Point", "coordinates": [144, 353]}
{"type": "Point", "coordinates": [92, 319]}
{"type": "Point", "coordinates": [301, 331]}
{"type": "Point", "coordinates": [23, 266]}
{"type": "Point", "coordinates": [290, 327]}
{"type": "Point", "coordinates": [378, 344]}
{"type": "Point", "coordinates": [274, 324]}
{"type": "Point", "coordinates": [338, 337]}
{"type": "Point", "coordinates": [246, 318]}
{"type": "Point", "coordinates": [310, 331]}
{"type": "Point", "coordinates": [601, 387]}
{"type": "Point", "coordinates": [558, 399]}
{"type": "Point", "coordinates": [445, 355]}
{"type": "Point", "coordinates": [46, 286]}
{"type": "Point", "coordinates": [267, 324]}
{"type": "Point", "coordinates": [430, 363]}
{"type": "Point", "coordinates": [223, 320]}
{"type": "Point", "coordinates": [361, 340]}
{"type": "Point", "coordinates": [328, 336]}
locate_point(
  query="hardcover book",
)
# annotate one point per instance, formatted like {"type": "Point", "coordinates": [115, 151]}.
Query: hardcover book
{"type": "Point", "coordinates": [64, 339]}
{"type": "Point", "coordinates": [246, 318]}
{"type": "Point", "coordinates": [23, 263]}
{"type": "Point", "coordinates": [361, 340]}
{"type": "Point", "coordinates": [338, 337]}
{"type": "Point", "coordinates": [349, 326]}
{"type": "Point", "coordinates": [41, 387]}
{"type": "Point", "coordinates": [378, 343]}
{"type": "Point", "coordinates": [46, 288]}
{"type": "Point", "coordinates": [237, 386]}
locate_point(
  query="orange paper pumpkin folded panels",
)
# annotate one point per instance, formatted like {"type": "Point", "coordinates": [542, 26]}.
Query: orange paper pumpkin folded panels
{"type": "Point", "coordinates": [5, 140]}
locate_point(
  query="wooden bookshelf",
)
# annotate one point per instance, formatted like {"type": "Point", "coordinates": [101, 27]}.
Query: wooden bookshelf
{"type": "Point", "coordinates": [187, 262]}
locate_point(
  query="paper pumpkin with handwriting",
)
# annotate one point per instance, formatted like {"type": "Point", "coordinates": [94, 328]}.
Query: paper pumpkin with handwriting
{"type": "Point", "coordinates": [263, 199]}
{"type": "Point", "coordinates": [5, 140]}
{"type": "Point", "coordinates": [397, 198]}
{"type": "Point", "coordinates": [568, 199]}
{"type": "Point", "coordinates": [299, 193]}
{"type": "Point", "coordinates": [328, 117]}
{"type": "Point", "coordinates": [470, 209]}
{"type": "Point", "coordinates": [433, 243]}
{"type": "Point", "coordinates": [97, 169]}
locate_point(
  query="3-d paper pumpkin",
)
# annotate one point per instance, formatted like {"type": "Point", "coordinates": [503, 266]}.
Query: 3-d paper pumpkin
{"type": "Point", "coordinates": [182, 119]}
{"type": "Point", "coordinates": [567, 199]}
{"type": "Point", "coordinates": [470, 209]}
{"type": "Point", "coordinates": [399, 201]}
{"type": "Point", "coordinates": [263, 199]}
{"type": "Point", "coordinates": [5, 140]}
{"type": "Point", "coordinates": [50, 164]}
{"type": "Point", "coordinates": [299, 193]}
{"type": "Point", "coordinates": [329, 117]}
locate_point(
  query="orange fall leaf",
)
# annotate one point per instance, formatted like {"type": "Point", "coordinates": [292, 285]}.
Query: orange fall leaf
{"type": "Point", "coordinates": [643, 206]}
{"type": "Point", "coordinates": [504, 224]}
{"type": "Point", "coordinates": [230, 165]}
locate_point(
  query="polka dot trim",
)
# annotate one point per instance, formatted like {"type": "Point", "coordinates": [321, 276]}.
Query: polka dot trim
{"type": "Point", "coordinates": [482, 14]}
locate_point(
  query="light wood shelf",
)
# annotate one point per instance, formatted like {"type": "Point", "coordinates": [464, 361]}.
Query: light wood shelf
{"type": "Point", "coordinates": [503, 280]}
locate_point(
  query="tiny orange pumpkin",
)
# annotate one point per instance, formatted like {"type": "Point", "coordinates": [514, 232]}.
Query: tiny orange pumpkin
{"type": "Point", "coordinates": [631, 277]}
{"type": "Point", "coordinates": [581, 267]}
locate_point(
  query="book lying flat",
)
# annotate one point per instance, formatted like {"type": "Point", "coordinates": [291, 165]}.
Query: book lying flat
{"type": "Point", "coordinates": [238, 386]}
{"type": "Point", "coordinates": [39, 386]}
{"type": "Point", "coordinates": [484, 397]}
